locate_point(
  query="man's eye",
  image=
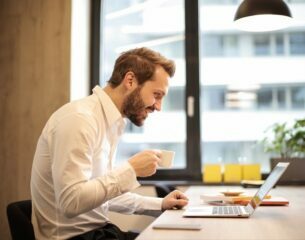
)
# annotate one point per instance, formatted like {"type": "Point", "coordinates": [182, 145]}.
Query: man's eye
{"type": "Point", "coordinates": [157, 96]}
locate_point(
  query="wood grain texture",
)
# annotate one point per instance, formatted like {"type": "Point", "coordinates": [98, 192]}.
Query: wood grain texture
{"type": "Point", "coordinates": [34, 81]}
{"type": "Point", "coordinates": [272, 222]}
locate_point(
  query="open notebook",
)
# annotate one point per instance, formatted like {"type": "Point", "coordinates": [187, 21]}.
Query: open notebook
{"type": "Point", "coordinates": [240, 211]}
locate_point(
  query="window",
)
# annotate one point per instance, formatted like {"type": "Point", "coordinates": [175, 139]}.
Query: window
{"type": "Point", "coordinates": [262, 82]}
{"type": "Point", "coordinates": [281, 98]}
{"type": "Point", "coordinates": [218, 45]}
{"type": "Point", "coordinates": [238, 83]}
{"type": "Point", "coordinates": [297, 43]}
{"type": "Point", "coordinates": [279, 44]}
{"type": "Point", "coordinates": [261, 45]}
{"type": "Point", "coordinates": [298, 97]}
{"type": "Point", "coordinates": [264, 99]}
{"type": "Point", "coordinates": [159, 25]}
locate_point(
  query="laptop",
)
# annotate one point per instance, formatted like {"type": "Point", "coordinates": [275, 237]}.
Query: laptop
{"type": "Point", "coordinates": [236, 210]}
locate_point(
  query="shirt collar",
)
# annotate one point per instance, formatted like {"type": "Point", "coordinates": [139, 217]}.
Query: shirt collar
{"type": "Point", "coordinates": [112, 113]}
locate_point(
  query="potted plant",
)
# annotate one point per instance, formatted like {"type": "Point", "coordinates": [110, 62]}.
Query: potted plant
{"type": "Point", "coordinates": [287, 142]}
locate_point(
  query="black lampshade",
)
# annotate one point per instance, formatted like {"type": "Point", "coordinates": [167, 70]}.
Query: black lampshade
{"type": "Point", "coordinates": [262, 15]}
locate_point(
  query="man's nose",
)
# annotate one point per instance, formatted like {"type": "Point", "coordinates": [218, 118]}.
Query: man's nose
{"type": "Point", "coordinates": [158, 105]}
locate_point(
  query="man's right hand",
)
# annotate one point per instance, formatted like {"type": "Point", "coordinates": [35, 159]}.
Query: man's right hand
{"type": "Point", "coordinates": [145, 163]}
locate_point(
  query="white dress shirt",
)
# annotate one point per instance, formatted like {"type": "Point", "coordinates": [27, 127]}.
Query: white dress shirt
{"type": "Point", "coordinates": [73, 182]}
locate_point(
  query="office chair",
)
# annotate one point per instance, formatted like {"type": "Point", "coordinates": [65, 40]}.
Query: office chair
{"type": "Point", "coordinates": [162, 189]}
{"type": "Point", "coordinates": [19, 219]}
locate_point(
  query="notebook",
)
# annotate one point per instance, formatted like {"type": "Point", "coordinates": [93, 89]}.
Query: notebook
{"type": "Point", "coordinates": [236, 210]}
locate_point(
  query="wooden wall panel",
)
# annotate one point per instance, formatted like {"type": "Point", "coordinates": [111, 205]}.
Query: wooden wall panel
{"type": "Point", "coordinates": [34, 81]}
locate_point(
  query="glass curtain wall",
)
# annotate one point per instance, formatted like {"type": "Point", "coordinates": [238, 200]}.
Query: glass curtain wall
{"type": "Point", "coordinates": [249, 81]}
{"type": "Point", "coordinates": [159, 25]}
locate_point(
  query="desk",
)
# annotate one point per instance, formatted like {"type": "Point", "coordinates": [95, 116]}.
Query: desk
{"type": "Point", "coordinates": [267, 222]}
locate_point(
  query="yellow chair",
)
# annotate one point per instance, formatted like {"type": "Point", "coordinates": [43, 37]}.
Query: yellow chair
{"type": "Point", "coordinates": [212, 173]}
{"type": "Point", "coordinates": [232, 173]}
{"type": "Point", "coordinates": [251, 172]}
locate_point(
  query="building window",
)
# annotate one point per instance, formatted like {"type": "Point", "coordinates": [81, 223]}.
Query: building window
{"type": "Point", "coordinates": [297, 43]}
{"type": "Point", "coordinates": [261, 45]}
{"type": "Point", "coordinates": [246, 82]}
{"type": "Point", "coordinates": [261, 85]}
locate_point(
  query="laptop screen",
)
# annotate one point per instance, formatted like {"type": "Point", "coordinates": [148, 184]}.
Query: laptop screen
{"type": "Point", "coordinates": [268, 184]}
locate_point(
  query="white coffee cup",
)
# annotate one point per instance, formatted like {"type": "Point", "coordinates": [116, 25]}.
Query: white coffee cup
{"type": "Point", "coordinates": [167, 158]}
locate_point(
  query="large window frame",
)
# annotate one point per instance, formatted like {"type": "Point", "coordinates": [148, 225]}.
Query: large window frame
{"type": "Point", "coordinates": [192, 171]}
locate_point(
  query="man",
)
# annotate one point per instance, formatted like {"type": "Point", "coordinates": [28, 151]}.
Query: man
{"type": "Point", "coordinates": [74, 183]}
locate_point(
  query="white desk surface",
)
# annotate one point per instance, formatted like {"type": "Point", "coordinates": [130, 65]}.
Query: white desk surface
{"type": "Point", "coordinates": [267, 222]}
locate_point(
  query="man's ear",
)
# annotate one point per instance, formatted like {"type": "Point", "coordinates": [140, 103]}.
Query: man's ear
{"type": "Point", "coordinates": [130, 80]}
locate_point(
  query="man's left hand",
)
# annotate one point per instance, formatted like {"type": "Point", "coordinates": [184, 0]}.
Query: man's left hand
{"type": "Point", "coordinates": [174, 200]}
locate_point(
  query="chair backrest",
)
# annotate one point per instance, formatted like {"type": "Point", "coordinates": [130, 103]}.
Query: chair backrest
{"type": "Point", "coordinates": [19, 219]}
{"type": "Point", "coordinates": [162, 189]}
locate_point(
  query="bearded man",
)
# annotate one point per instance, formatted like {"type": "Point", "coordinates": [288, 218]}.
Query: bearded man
{"type": "Point", "coordinates": [73, 181]}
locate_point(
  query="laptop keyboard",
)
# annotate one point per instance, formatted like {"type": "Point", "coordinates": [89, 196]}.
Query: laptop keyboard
{"type": "Point", "coordinates": [227, 210]}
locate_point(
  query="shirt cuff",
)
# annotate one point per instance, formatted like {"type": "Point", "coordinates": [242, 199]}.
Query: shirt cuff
{"type": "Point", "coordinates": [152, 203]}
{"type": "Point", "coordinates": [150, 206]}
{"type": "Point", "coordinates": [127, 178]}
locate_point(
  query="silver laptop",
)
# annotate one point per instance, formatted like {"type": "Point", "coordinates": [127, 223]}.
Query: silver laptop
{"type": "Point", "coordinates": [240, 211]}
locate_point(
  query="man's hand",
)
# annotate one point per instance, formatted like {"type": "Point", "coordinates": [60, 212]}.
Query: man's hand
{"type": "Point", "coordinates": [145, 163]}
{"type": "Point", "coordinates": [173, 200]}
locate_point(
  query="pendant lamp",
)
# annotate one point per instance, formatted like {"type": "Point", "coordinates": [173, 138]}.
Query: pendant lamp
{"type": "Point", "coordinates": [262, 15]}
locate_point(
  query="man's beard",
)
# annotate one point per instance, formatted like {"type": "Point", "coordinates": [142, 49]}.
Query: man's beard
{"type": "Point", "coordinates": [133, 106]}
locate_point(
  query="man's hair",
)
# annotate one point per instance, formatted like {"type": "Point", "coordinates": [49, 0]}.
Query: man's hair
{"type": "Point", "coordinates": [142, 62]}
